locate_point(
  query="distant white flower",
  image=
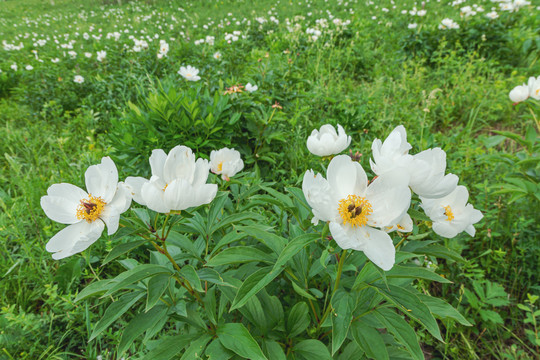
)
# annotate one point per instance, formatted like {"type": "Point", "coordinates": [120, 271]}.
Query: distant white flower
{"type": "Point", "coordinates": [29, 67]}
{"type": "Point", "coordinates": [72, 54]}
{"type": "Point", "coordinates": [78, 79]}
{"type": "Point", "coordinates": [421, 12]}
{"type": "Point", "coordinates": [412, 26]}
{"type": "Point", "coordinates": [451, 214]}
{"type": "Point", "coordinates": [189, 73]}
{"type": "Point", "coordinates": [226, 162]}
{"type": "Point", "coordinates": [355, 210]}
{"type": "Point", "coordinates": [86, 213]}
{"type": "Point", "coordinates": [251, 88]}
{"type": "Point", "coordinates": [88, 55]}
{"type": "Point", "coordinates": [14, 67]}
{"type": "Point", "coordinates": [55, 60]}
{"type": "Point", "coordinates": [327, 141]}
{"type": "Point", "coordinates": [101, 55]}
{"type": "Point", "coordinates": [448, 24]}
{"type": "Point", "coordinates": [217, 55]}
{"type": "Point", "coordinates": [492, 15]}
{"type": "Point", "coordinates": [178, 182]}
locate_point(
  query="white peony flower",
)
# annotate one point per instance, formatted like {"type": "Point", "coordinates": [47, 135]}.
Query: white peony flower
{"type": "Point", "coordinates": [251, 88]}
{"type": "Point", "coordinates": [14, 67]}
{"type": "Point", "coordinates": [451, 214]}
{"type": "Point", "coordinates": [101, 55]}
{"type": "Point", "coordinates": [29, 67]}
{"type": "Point", "coordinates": [354, 210]}
{"type": "Point", "coordinates": [226, 162]}
{"type": "Point", "coordinates": [86, 213]}
{"type": "Point", "coordinates": [534, 87]}
{"type": "Point", "coordinates": [189, 73]}
{"type": "Point", "coordinates": [78, 79]}
{"type": "Point", "coordinates": [327, 141]}
{"type": "Point", "coordinates": [425, 170]}
{"type": "Point", "coordinates": [217, 55]}
{"type": "Point", "coordinates": [519, 93]}
{"type": "Point", "coordinates": [178, 182]}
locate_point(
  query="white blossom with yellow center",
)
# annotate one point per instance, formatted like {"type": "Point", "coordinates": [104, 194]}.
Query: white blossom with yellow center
{"type": "Point", "coordinates": [226, 162]}
{"type": "Point", "coordinates": [452, 214]}
{"type": "Point", "coordinates": [86, 213]}
{"type": "Point", "coordinates": [355, 210]}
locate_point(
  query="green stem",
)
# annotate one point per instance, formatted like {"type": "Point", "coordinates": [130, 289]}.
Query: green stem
{"type": "Point", "coordinates": [336, 286]}
{"type": "Point", "coordinates": [164, 225]}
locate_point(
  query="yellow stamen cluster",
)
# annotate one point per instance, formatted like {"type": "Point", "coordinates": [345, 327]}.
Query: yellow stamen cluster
{"type": "Point", "coordinates": [90, 209]}
{"type": "Point", "coordinates": [448, 213]}
{"type": "Point", "coordinates": [220, 166]}
{"type": "Point", "coordinates": [355, 210]}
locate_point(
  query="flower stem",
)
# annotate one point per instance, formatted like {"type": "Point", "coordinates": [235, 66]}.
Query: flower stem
{"type": "Point", "coordinates": [336, 286]}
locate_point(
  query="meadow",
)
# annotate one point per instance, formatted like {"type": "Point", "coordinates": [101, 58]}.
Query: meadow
{"type": "Point", "coordinates": [247, 274]}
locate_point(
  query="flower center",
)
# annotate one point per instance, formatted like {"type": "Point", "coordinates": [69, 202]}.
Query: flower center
{"type": "Point", "coordinates": [355, 210]}
{"type": "Point", "coordinates": [90, 209]}
{"type": "Point", "coordinates": [448, 213]}
{"type": "Point", "coordinates": [220, 166]}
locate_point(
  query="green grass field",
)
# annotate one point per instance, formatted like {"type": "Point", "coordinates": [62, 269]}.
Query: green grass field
{"type": "Point", "coordinates": [366, 65]}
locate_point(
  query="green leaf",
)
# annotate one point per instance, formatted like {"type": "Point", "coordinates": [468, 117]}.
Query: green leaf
{"type": "Point", "coordinates": [440, 252]}
{"type": "Point", "coordinates": [417, 215]}
{"type": "Point", "coordinates": [184, 243]}
{"type": "Point", "coordinates": [210, 304]}
{"type": "Point", "coordinates": [122, 249]}
{"type": "Point", "coordinates": [94, 288]}
{"type": "Point", "coordinates": [415, 272]}
{"type": "Point", "coordinates": [236, 218]}
{"type": "Point", "coordinates": [343, 305]}
{"type": "Point", "coordinates": [167, 347]}
{"type": "Point", "coordinates": [235, 337]}
{"type": "Point", "coordinates": [189, 273]}
{"type": "Point", "coordinates": [212, 276]}
{"type": "Point", "coordinates": [300, 291]}
{"type": "Point", "coordinates": [139, 324]}
{"type": "Point", "coordinates": [298, 319]}
{"type": "Point", "coordinates": [239, 254]}
{"type": "Point", "coordinates": [274, 242]}
{"type": "Point", "coordinates": [136, 274]}
{"type": "Point", "coordinates": [258, 280]}
{"type": "Point", "coordinates": [196, 348]}
{"type": "Point", "coordinates": [230, 237]}
{"type": "Point", "coordinates": [442, 309]}
{"type": "Point", "coordinates": [411, 305]}
{"type": "Point", "coordinates": [274, 350]}
{"type": "Point", "coordinates": [156, 287]}
{"type": "Point", "coordinates": [216, 351]}
{"type": "Point", "coordinates": [114, 311]}
{"type": "Point", "coordinates": [312, 349]}
{"type": "Point", "coordinates": [403, 332]}
{"type": "Point", "coordinates": [369, 339]}
{"type": "Point", "coordinates": [285, 201]}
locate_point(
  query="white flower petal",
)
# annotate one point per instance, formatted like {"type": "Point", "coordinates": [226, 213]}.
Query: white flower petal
{"type": "Point", "coordinates": [320, 196]}
{"type": "Point", "coordinates": [180, 164]}
{"type": "Point", "coordinates": [60, 209]}
{"type": "Point", "coordinates": [74, 238]}
{"type": "Point", "coordinates": [111, 218]}
{"type": "Point", "coordinates": [135, 185]}
{"type": "Point", "coordinates": [153, 196]}
{"type": "Point", "coordinates": [68, 191]}
{"type": "Point", "coordinates": [102, 179]}
{"type": "Point", "coordinates": [157, 162]}
{"type": "Point", "coordinates": [379, 248]}
{"type": "Point", "coordinates": [346, 177]}
{"type": "Point", "coordinates": [389, 197]}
